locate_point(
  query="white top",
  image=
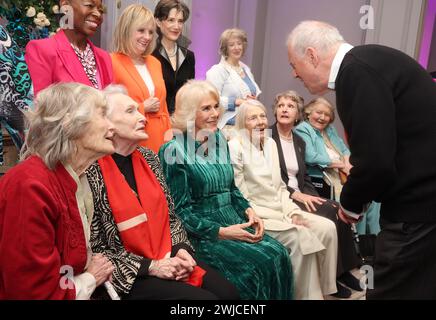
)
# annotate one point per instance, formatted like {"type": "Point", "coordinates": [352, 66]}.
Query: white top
{"type": "Point", "coordinates": [230, 86]}
{"type": "Point", "coordinates": [145, 75]}
{"type": "Point", "coordinates": [291, 162]}
{"type": "Point", "coordinates": [337, 61]}
{"type": "Point", "coordinates": [333, 155]}
{"type": "Point", "coordinates": [84, 283]}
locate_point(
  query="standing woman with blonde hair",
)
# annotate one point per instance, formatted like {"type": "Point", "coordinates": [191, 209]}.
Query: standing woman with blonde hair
{"type": "Point", "coordinates": [232, 78]}
{"type": "Point", "coordinates": [140, 72]}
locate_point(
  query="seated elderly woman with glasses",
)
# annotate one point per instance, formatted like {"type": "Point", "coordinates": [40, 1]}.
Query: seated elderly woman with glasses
{"type": "Point", "coordinates": [134, 223]}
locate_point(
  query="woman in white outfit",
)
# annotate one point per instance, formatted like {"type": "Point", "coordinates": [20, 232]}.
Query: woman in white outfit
{"type": "Point", "coordinates": [310, 239]}
{"type": "Point", "coordinates": [232, 78]}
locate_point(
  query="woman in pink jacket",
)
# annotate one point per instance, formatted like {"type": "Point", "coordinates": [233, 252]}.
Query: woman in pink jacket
{"type": "Point", "coordinates": [69, 56]}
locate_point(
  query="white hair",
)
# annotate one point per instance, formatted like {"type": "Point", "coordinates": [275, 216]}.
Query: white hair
{"type": "Point", "coordinates": [62, 115]}
{"type": "Point", "coordinates": [317, 34]}
{"type": "Point", "coordinates": [111, 90]}
{"type": "Point", "coordinates": [242, 112]}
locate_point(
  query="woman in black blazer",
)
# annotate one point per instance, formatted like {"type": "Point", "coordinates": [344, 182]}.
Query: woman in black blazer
{"type": "Point", "coordinates": [291, 148]}
{"type": "Point", "coordinates": [178, 63]}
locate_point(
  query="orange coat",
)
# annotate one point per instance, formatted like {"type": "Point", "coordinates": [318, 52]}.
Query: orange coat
{"type": "Point", "coordinates": [158, 123]}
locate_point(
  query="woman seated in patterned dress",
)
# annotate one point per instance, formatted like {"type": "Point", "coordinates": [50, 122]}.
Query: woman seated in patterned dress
{"type": "Point", "coordinates": [134, 223]}
{"type": "Point", "coordinates": [223, 228]}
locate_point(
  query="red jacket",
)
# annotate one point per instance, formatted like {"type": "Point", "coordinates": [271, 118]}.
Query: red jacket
{"type": "Point", "coordinates": [40, 231]}
{"type": "Point", "coordinates": [53, 60]}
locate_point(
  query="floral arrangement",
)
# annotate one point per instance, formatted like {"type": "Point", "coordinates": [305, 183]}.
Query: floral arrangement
{"type": "Point", "coordinates": [30, 19]}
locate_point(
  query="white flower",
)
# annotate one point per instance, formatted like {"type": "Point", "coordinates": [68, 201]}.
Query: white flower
{"type": "Point", "coordinates": [39, 22]}
{"type": "Point", "coordinates": [41, 15]}
{"type": "Point", "coordinates": [55, 9]}
{"type": "Point", "coordinates": [31, 12]}
{"type": "Point", "coordinates": [51, 34]}
{"type": "Point", "coordinates": [46, 22]}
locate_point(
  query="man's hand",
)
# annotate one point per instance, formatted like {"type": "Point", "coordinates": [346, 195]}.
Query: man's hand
{"type": "Point", "coordinates": [347, 219]}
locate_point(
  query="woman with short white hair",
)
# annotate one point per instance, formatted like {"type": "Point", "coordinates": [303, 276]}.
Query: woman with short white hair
{"type": "Point", "coordinates": [134, 223]}
{"type": "Point", "coordinates": [311, 240]}
{"type": "Point", "coordinates": [45, 211]}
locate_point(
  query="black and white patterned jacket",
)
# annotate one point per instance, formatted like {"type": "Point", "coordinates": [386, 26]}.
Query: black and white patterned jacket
{"type": "Point", "coordinates": [105, 237]}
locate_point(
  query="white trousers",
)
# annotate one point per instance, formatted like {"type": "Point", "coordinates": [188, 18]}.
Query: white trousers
{"type": "Point", "coordinates": [314, 273]}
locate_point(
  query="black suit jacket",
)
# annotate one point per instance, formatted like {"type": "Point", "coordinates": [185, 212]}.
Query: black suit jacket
{"type": "Point", "coordinates": [174, 80]}
{"type": "Point", "coordinates": [304, 182]}
{"type": "Point", "coordinates": [387, 103]}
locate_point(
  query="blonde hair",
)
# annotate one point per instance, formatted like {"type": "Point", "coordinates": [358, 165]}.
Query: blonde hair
{"type": "Point", "coordinates": [132, 17]}
{"type": "Point", "coordinates": [188, 100]}
{"type": "Point", "coordinates": [292, 95]}
{"type": "Point", "coordinates": [62, 114]}
{"type": "Point", "coordinates": [312, 104]}
{"type": "Point", "coordinates": [242, 112]}
{"type": "Point", "coordinates": [225, 38]}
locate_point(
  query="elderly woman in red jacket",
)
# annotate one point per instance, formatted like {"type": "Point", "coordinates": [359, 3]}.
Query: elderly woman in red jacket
{"type": "Point", "coordinates": [45, 204]}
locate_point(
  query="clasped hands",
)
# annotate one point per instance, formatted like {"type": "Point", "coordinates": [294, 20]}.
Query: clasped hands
{"type": "Point", "coordinates": [238, 232]}
{"type": "Point", "coordinates": [176, 268]}
{"type": "Point", "coordinates": [151, 105]}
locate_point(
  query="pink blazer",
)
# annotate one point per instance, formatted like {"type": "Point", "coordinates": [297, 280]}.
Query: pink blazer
{"type": "Point", "coordinates": [53, 60]}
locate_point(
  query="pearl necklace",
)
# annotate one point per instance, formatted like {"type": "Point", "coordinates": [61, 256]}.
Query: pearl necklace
{"type": "Point", "coordinates": [173, 54]}
{"type": "Point", "coordinates": [289, 138]}
{"type": "Point", "coordinates": [238, 69]}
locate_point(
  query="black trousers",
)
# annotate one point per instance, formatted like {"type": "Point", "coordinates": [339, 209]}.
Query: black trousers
{"type": "Point", "coordinates": [215, 287]}
{"type": "Point", "coordinates": [405, 261]}
{"type": "Point", "coordinates": [347, 254]}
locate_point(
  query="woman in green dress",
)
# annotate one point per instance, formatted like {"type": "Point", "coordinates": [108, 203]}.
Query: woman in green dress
{"type": "Point", "coordinates": [222, 227]}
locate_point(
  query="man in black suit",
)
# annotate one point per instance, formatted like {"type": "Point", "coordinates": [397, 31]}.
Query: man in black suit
{"type": "Point", "coordinates": [387, 103]}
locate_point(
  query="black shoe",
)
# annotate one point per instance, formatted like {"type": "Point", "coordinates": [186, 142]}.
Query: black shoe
{"type": "Point", "coordinates": [343, 292]}
{"type": "Point", "coordinates": [350, 281]}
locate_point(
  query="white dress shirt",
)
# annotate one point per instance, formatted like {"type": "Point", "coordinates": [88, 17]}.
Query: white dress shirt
{"type": "Point", "coordinates": [337, 61]}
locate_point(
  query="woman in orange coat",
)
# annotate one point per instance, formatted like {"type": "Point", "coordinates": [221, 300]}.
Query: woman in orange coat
{"type": "Point", "coordinates": [140, 72]}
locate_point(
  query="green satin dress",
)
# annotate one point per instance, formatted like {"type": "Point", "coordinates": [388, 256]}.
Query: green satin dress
{"type": "Point", "coordinates": [206, 199]}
